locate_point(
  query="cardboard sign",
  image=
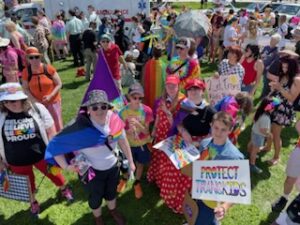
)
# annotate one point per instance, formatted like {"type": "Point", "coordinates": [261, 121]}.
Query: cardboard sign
{"type": "Point", "coordinates": [218, 88]}
{"type": "Point", "coordinates": [180, 153]}
{"type": "Point", "coordinates": [222, 181]}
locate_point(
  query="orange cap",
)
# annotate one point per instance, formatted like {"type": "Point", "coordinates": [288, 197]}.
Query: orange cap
{"type": "Point", "coordinates": [32, 51]}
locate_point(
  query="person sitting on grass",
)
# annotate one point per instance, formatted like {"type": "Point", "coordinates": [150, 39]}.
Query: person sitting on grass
{"type": "Point", "coordinates": [260, 131]}
{"type": "Point", "coordinates": [217, 147]}
{"type": "Point", "coordinates": [292, 173]}
{"type": "Point", "coordinates": [137, 118]}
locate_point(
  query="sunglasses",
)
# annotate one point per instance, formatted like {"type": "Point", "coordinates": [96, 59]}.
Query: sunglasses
{"type": "Point", "coordinates": [102, 107]}
{"type": "Point", "coordinates": [34, 57]}
{"type": "Point", "coordinates": [104, 41]}
{"type": "Point", "coordinates": [12, 101]}
{"type": "Point", "coordinates": [137, 98]}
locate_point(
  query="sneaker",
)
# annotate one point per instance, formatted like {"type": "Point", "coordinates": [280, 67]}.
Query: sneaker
{"type": "Point", "coordinates": [279, 205]}
{"type": "Point", "coordinates": [138, 192]}
{"type": "Point", "coordinates": [122, 186]}
{"type": "Point", "coordinates": [118, 217]}
{"type": "Point", "coordinates": [68, 194]}
{"type": "Point", "coordinates": [255, 169]}
{"type": "Point", "coordinates": [35, 208]}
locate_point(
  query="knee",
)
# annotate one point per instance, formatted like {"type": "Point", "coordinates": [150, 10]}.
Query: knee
{"type": "Point", "coordinates": [94, 203]}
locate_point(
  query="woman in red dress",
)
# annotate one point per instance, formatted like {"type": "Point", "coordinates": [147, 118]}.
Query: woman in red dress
{"type": "Point", "coordinates": [166, 108]}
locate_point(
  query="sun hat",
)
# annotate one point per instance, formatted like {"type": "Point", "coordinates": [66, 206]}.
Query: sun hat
{"type": "Point", "coordinates": [105, 37]}
{"type": "Point", "coordinates": [289, 50]}
{"type": "Point", "coordinates": [194, 83]}
{"type": "Point", "coordinates": [183, 42]}
{"type": "Point", "coordinates": [32, 51]}
{"type": "Point", "coordinates": [136, 88]}
{"type": "Point", "coordinates": [11, 92]}
{"type": "Point", "coordinates": [4, 42]}
{"type": "Point", "coordinates": [172, 79]}
{"type": "Point", "coordinates": [95, 97]}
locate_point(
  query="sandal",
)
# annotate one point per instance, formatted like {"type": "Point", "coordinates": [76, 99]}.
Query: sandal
{"type": "Point", "coordinates": [273, 162]}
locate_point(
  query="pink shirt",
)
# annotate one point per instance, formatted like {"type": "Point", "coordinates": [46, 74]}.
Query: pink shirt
{"type": "Point", "coordinates": [9, 61]}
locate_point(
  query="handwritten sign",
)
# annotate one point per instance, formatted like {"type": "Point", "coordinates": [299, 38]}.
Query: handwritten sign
{"type": "Point", "coordinates": [218, 88]}
{"type": "Point", "coordinates": [222, 181]}
{"type": "Point", "coordinates": [180, 153]}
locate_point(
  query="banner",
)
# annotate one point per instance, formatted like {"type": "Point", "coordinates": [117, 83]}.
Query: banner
{"type": "Point", "coordinates": [218, 88]}
{"type": "Point", "coordinates": [222, 181]}
{"type": "Point", "coordinates": [180, 153]}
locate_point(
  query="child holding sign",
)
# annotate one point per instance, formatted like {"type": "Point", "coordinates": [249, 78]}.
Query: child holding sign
{"type": "Point", "coordinates": [217, 147]}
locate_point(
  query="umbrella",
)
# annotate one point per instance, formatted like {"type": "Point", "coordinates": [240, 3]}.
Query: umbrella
{"type": "Point", "coordinates": [192, 24]}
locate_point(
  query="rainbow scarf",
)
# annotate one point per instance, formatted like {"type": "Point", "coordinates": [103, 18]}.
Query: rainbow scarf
{"type": "Point", "coordinates": [154, 80]}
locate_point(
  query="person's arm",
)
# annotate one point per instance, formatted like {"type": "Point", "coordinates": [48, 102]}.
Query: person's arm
{"type": "Point", "coordinates": [124, 145]}
{"type": "Point", "coordinates": [14, 39]}
{"type": "Point", "coordinates": [122, 61]}
{"type": "Point", "coordinates": [57, 86]}
{"type": "Point", "coordinates": [290, 94]}
{"type": "Point", "coordinates": [62, 162]}
{"type": "Point", "coordinates": [51, 132]}
{"type": "Point", "coordinates": [185, 134]}
{"type": "Point", "coordinates": [259, 67]}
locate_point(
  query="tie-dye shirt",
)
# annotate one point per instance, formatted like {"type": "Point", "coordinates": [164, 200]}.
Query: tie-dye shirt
{"type": "Point", "coordinates": [136, 137]}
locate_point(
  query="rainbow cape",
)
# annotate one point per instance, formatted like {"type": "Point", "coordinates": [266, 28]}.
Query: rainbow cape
{"type": "Point", "coordinates": [154, 80]}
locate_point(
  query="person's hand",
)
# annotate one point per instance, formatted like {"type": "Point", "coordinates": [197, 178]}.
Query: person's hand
{"type": "Point", "coordinates": [216, 75]}
{"type": "Point", "coordinates": [219, 212]}
{"type": "Point", "coordinates": [132, 167]}
{"type": "Point", "coordinates": [186, 137]}
{"type": "Point", "coordinates": [46, 98]}
{"type": "Point", "coordinates": [275, 85]}
{"type": "Point", "coordinates": [72, 168]}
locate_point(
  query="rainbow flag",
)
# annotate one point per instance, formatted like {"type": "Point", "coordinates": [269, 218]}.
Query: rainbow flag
{"type": "Point", "coordinates": [154, 80]}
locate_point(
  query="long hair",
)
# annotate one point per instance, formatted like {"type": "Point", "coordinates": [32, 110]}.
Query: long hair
{"type": "Point", "coordinates": [254, 50]}
{"type": "Point", "coordinates": [26, 104]}
{"type": "Point", "coordinates": [292, 69]}
{"type": "Point", "coordinates": [261, 109]}
{"type": "Point", "coordinates": [245, 102]}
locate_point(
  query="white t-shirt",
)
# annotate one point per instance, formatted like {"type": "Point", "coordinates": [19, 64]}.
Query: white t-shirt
{"type": "Point", "coordinates": [283, 29]}
{"type": "Point", "coordinates": [101, 157]}
{"type": "Point", "coordinates": [229, 32]}
{"type": "Point", "coordinates": [263, 122]}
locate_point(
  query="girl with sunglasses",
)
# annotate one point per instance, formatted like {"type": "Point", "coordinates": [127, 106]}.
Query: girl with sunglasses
{"type": "Point", "coordinates": [42, 84]}
{"type": "Point", "coordinates": [137, 118]}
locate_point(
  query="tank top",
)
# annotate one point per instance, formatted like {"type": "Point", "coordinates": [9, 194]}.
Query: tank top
{"type": "Point", "coordinates": [250, 72]}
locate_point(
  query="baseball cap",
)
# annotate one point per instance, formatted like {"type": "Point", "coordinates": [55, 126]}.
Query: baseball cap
{"type": "Point", "coordinates": [183, 42]}
{"type": "Point", "coordinates": [172, 79]}
{"type": "Point", "coordinates": [136, 88]}
{"type": "Point", "coordinates": [195, 83]}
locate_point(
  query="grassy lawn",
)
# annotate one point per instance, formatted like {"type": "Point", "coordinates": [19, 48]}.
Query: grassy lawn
{"type": "Point", "coordinates": [150, 210]}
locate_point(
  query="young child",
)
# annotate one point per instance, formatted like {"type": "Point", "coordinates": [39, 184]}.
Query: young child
{"type": "Point", "coordinates": [137, 118]}
{"type": "Point", "coordinates": [292, 173]}
{"type": "Point", "coordinates": [261, 130]}
{"type": "Point", "coordinates": [217, 147]}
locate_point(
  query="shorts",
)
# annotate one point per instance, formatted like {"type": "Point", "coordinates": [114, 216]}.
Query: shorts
{"type": "Point", "coordinates": [141, 154]}
{"type": "Point", "coordinates": [206, 215]}
{"type": "Point", "coordinates": [293, 165]}
{"type": "Point", "coordinates": [104, 185]}
{"type": "Point", "coordinates": [257, 140]}
{"type": "Point", "coordinates": [247, 88]}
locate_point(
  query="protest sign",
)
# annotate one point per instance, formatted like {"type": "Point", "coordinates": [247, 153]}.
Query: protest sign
{"type": "Point", "coordinates": [180, 153]}
{"type": "Point", "coordinates": [218, 88]}
{"type": "Point", "coordinates": [222, 181]}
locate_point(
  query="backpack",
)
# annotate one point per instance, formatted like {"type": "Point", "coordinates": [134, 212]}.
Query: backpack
{"type": "Point", "coordinates": [45, 72]}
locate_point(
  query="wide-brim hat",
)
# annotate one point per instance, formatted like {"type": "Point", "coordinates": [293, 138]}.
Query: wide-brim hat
{"type": "Point", "coordinates": [105, 37]}
{"type": "Point", "coordinates": [32, 51]}
{"type": "Point", "coordinates": [96, 97]}
{"type": "Point", "coordinates": [4, 42]}
{"type": "Point", "coordinates": [12, 92]}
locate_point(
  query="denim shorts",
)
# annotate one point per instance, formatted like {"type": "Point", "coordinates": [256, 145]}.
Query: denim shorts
{"type": "Point", "coordinates": [141, 154]}
{"type": "Point", "coordinates": [247, 88]}
{"type": "Point", "coordinates": [257, 140]}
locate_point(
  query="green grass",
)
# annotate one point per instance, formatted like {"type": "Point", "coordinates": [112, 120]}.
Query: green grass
{"type": "Point", "coordinates": [150, 210]}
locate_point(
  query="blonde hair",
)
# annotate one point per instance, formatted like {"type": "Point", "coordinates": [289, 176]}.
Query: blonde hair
{"type": "Point", "coordinates": [10, 26]}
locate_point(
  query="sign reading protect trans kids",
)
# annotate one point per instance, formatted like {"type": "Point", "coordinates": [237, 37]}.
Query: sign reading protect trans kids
{"type": "Point", "coordinates": [222, 181]}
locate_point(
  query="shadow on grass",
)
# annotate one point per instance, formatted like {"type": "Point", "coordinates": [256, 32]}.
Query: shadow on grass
{"type": "Point", "coordinates": [147, 210]}
{"type": "Point", "coordinates": [65, 67]}
{"type": "Point", "coordinates": [271, 218]}
{"type": "Point", "coordinates": [74, 84]}
{"type": "Point", "coordinates": [25, 217]}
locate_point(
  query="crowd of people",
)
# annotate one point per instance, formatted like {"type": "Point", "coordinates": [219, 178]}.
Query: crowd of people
{"type": "Point", "coordinates": [166, 97]}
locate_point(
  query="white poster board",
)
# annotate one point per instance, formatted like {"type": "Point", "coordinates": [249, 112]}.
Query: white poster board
{"type": "Point", "coordinates": [180, 153]}
{"type": "Point", "coordinates": [222, 181]}
{"type": "Point", "coordinates": [218, 88]}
